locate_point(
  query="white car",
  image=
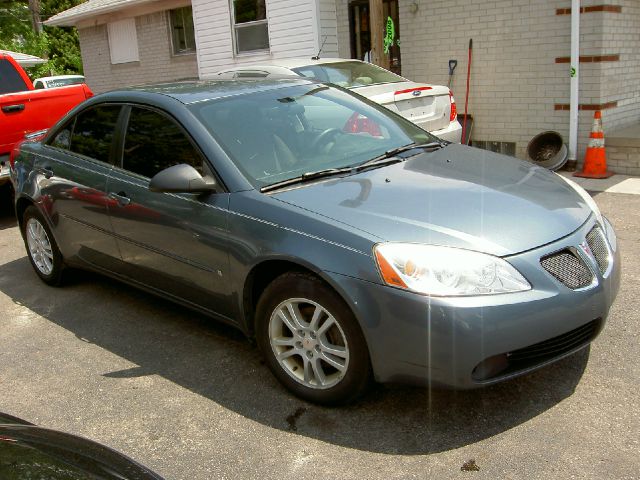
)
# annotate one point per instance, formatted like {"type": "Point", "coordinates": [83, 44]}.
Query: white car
{"type": "Point", "coordinates": [431, 107]}
{"type": "Point", "coordinates": [57, 81]}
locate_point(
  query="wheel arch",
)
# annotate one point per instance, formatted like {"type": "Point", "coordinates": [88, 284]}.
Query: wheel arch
{"type": "Point", "coordinates": [265, 272]}
{"type": "Point", "coordinates": [22, 203]}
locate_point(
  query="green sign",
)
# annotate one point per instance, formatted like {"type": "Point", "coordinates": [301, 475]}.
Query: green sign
{"type": "Point", "coordinates": [390, 35]}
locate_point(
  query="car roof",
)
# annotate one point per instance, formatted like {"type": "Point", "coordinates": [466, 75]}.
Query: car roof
{"type": "Point", "coordinates": [293, 62]}
{"type": "Point", "coordinates": [58, 77]}
{"type": "Point", "coordinates": [194, 91]}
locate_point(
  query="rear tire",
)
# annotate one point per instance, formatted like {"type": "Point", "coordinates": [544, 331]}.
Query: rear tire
{"type": "Point", "coordinates": [42, 249]}
{"type": "Point", "coordinates": [311, 340]}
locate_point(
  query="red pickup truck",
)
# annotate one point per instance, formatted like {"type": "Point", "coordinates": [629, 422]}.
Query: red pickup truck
{"type": "Point", "coordinates": [24, 110]}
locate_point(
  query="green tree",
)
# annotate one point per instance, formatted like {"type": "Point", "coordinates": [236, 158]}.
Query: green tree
{"type": "Point", "coordinates": [59, 45]}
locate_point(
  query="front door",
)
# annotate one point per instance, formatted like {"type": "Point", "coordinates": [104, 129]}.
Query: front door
{"type": "Point", "coordinates": [173, 243]}
{"type": "Point", "coordinates": [359, 31]}
{"type": "Point", "coordinates": [82, 150]}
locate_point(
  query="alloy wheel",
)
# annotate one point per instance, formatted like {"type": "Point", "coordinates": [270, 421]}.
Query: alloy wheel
{"type": "Point", "coordinates": [40, 248]}
{"type": "Point", "coordinates": [308, 343]}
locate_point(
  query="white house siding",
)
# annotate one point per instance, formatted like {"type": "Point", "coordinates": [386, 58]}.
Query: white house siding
{"type": "Point", "coordinates": [342, 25]}
{"type": "Point", "coordinates": [156, 63]}
{"type": "Point", "coordinates": [294, 31]}
{"type": "Point", "coordinates": [328, 28]}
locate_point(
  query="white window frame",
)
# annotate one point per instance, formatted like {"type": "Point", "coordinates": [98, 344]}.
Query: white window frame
{"type": "Point", "coordinates": [235, 26]}
{"type": "Point", "coordinates": [123, 41]}
{"type": "Point", "coordinates": [174, 50]}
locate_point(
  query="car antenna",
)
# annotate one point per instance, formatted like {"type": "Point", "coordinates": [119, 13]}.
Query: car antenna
{"type": "Point", "coordinates": [317, 57]}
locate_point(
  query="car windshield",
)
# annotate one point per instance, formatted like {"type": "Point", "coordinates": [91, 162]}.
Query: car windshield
{"type": "Point", "coordinates": [63, 82]}
{"type": "Point", "coordinates": [279, 134]}
{"type": "Point", "coordinates": [349, 74]}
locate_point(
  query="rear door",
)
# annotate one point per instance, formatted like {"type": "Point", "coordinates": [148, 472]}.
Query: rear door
{"type": "Point", "coordinates": [174, 243]}
{"type": "Point", "coordinates": [72, 173]}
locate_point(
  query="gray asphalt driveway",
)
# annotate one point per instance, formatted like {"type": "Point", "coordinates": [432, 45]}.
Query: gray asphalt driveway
{"type": "Point", "coordinates": [192, 400]}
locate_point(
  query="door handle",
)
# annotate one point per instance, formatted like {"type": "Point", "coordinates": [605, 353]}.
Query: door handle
{"type": "Point", "coordinates": [121, 198]}
{"type": "Point", "coordinates": [46, 172]}
{"type": "Point", "coordinates": [13, 108]}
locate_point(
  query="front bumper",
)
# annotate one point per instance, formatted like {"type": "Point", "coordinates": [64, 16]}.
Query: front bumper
{"type": "Point", "coordinates": [447, 341]}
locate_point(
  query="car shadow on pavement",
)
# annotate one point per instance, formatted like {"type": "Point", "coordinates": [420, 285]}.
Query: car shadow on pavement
{"type": "Point", "coordinates": [216, 362]}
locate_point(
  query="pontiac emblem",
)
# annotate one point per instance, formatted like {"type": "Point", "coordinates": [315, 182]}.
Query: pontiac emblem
{"type": "Point", "coordinates": [585, 248]}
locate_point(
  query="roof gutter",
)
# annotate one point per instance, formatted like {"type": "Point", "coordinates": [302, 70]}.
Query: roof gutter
{"type": "Point", "coordinates": [69, 18]}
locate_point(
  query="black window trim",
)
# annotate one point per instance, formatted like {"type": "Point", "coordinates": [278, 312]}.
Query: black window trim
{"type": "Point", "coordinates": [120, 136]}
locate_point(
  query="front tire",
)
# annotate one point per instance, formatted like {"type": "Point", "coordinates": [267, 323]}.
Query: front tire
{"type": "Point", "coordinates": [42, 249]}
{"type": "Point", "coordinates": [311, 340]}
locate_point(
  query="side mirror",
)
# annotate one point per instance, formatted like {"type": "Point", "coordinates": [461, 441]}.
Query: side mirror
{"type": "Point", "coordinates": [181, 178]}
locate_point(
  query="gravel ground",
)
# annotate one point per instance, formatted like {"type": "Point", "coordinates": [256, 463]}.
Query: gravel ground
{"type": "Point", "coordinates": [191, 399]}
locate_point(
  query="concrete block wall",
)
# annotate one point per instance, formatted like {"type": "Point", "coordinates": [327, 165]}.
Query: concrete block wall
{"type": "Point", "coordinates": [520, 79]}
{"type": "Point", "coordinates": [515, 80]}
{"type": "Point", "coordinates": [156, 63]}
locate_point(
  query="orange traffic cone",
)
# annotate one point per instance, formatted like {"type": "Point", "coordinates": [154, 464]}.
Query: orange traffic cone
{"type": "Point", "coordinates": [595, 158]}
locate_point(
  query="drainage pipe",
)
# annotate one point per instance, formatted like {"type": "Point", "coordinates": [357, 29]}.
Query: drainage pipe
{"type": "Point", "coordinates": [575, 84]}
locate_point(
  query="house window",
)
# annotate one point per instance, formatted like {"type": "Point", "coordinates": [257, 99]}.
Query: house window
{"type": "Point", "coordinates": [182, 36]}
{"type": "Point", "coordinates": [250, 25]}
{"type": "Point", "coordinates": [123, 41]}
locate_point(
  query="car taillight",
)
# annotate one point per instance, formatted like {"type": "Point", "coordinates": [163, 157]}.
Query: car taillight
{"type": "Point", "coordinates": [360, 124]}
{"type": "Point", "coordinates": [454, 109]}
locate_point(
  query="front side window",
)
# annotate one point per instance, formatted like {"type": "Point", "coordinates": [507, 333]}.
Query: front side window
{"type": "Point", "coordinates": [250, 25]}
{"type": "Point", "coordinates": [94, 131]}
{"type": "Point", "coordinates": [182, 34]}
{"type": "Point", "coordinates": [154, 142]}
{"type": "Point", "coordinates": [279, 134]}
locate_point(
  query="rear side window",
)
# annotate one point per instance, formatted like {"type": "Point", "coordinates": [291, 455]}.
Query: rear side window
{"type": "Point", "coordinates": [10, 79]}
{"type": "Point", "coordinates": [94, 131]}
{"type": "Point", "coordinates": [155, 142]}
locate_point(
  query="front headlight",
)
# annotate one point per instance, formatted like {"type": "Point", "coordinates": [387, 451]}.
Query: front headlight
{"type": "Point", "coordinates": [586, 197]}
{"type": "Point", "coordinates": [446, 271]}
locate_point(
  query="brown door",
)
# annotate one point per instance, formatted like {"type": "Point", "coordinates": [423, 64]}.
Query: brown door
{"type": "Point", "coordinates": [360, 36]}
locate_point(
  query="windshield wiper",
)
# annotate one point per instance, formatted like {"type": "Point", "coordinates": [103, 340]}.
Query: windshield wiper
{"type": "Point", "coordinates": [387, 158]}
{"type": "Point", "coordinates": [389, 154]}
{"type": "Point", "coordinates": [328, 172]}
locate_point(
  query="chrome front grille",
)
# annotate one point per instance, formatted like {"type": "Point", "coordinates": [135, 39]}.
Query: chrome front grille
{"type": "Point", "coordinates": [598, 246]}
{"type": "Point", "coordinates": [568, 268]}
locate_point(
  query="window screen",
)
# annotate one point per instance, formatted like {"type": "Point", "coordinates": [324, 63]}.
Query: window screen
{"type": "Point", "coordinates": [182, 36]}
{"type": "Point", "coordinates": [94, 131]}
{"type": "Point", "coordinates": [154, 142]}
{"type": "Point", "coordinates": [10, 79]}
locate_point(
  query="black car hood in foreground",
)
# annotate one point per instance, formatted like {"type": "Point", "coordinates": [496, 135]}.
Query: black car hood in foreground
{"type": "Point", "coordinates": [457, 196]}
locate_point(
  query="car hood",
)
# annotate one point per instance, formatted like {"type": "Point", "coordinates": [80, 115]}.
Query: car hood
{"type": "Point", "coordinates": [457, 196]}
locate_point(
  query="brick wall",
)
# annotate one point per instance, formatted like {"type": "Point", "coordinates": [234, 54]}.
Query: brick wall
{"type": "Point", "coordinates": [520, 71]}
{"type": "Point", "coordinates": [620, 81]}
{"type": "Point", "coordinates": [156, 63]}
